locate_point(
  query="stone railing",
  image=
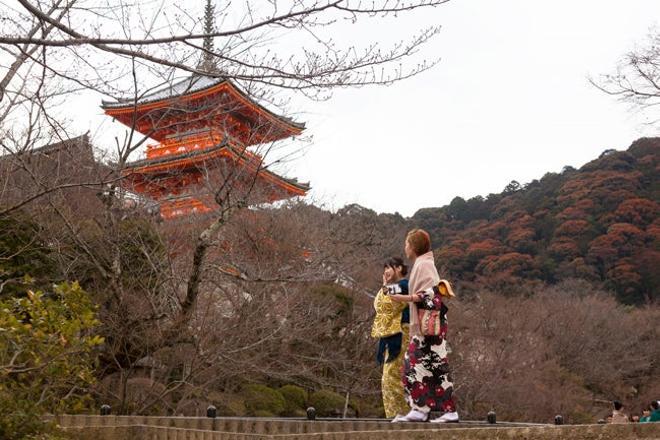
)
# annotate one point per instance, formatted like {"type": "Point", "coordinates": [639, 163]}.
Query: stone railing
{"type": "Point", "coordinates": [192, 428]}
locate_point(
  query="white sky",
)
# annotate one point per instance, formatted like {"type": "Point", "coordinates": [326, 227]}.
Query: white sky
{"type": "Point", "coordinates": [509, 100]}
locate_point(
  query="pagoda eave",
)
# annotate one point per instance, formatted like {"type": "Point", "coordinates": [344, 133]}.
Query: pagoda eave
{"type": "Point", "coordinates": [166, 168]}
{"type": "Point", "coordinates": [164, 107]}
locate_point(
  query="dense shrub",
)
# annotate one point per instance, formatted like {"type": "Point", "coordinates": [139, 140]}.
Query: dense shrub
{"type": "Point", "coordinates": [327, 403]}
{"type": "Point", "coordinates": [228, 405]}
{"type": "Point", "coordinates": [295, 399]}
{"type": "Point", "coordinates": [25, 260]}
{"type": "Point", "coordinates": [368, 407]}
{"type": "Point", "coordinates": [263, 401]}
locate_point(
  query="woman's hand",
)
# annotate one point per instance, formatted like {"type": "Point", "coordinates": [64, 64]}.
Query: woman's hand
{"type": "Point", "coordinates": [405, 298]}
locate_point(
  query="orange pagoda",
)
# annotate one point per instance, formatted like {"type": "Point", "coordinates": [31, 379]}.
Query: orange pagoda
{"type": "Point", "coordinates": [204, 127]}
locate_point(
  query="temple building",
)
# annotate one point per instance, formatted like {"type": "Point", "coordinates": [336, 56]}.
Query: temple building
{"type": "Point", "coordinates": [204, 126]}
{"type": "Point", "coordinates": [66, 173]}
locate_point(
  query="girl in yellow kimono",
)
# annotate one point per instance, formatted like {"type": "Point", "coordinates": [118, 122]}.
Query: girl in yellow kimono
{"type": "Point", "coordinates": [391, 328]}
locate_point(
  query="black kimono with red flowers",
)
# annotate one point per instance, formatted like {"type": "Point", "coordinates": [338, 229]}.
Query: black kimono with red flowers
{"type": "Point", "coordinates": [426, 375]}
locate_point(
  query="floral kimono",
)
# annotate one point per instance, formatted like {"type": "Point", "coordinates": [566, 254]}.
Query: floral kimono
{"type": "Point", "coordinates": [426, 378]}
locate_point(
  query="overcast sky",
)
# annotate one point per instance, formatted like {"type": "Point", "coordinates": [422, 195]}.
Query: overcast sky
{"type": "Point", "coordinates": [509, 100]}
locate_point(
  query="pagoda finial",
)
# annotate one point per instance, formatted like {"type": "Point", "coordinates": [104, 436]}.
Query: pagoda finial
{"type": "Point", "coordinates": [208, 60]}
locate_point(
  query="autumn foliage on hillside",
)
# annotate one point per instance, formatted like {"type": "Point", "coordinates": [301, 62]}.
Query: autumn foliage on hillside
{"type": "Point", "coordinates": [598, 223]}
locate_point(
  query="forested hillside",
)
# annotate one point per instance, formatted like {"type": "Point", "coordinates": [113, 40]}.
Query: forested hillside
{"type": "Point", "coordinates": [598, 223]}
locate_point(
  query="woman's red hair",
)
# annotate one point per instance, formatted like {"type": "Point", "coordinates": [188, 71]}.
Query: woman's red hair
{"type": "Point", "coordinates": [419, 241]}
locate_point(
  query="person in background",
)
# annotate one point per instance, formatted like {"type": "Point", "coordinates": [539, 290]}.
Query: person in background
{"type": "Point", "coordinates": [646, 416]}
{"type": "Point", "coordinates": [618, 416]}
{"type": "Point", "coordinates": [655, 411]}
{"type": "Point", "coordinates": [391, 328]}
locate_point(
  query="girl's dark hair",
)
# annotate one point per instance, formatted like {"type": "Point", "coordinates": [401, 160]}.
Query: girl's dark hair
{"type": "Point", "coordinates": [395, 262]}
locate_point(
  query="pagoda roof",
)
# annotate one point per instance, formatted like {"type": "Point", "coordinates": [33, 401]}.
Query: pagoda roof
{"type": "Point", "coordinates": [193, 83]}
{"type": "Point", "coordinates": [189, 86]}
{"type": "Point", "coordinates": [179, 160]}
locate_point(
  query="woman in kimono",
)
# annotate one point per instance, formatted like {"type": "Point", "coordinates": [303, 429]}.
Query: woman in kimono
{"type": "Point", "coordinates": [426, 377]}
{"type": "Point", "coordinates": [391, 328]}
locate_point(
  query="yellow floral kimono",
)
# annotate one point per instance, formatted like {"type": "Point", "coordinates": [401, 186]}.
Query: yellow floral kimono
{"type": "Point", "coordinates": [387, 323]}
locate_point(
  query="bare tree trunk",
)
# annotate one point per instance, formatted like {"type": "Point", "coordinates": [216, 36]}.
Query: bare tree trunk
{"type": "Point", "coordinates": [123, 386]}
{"type": "Point", "coordinates": [203, 243]}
